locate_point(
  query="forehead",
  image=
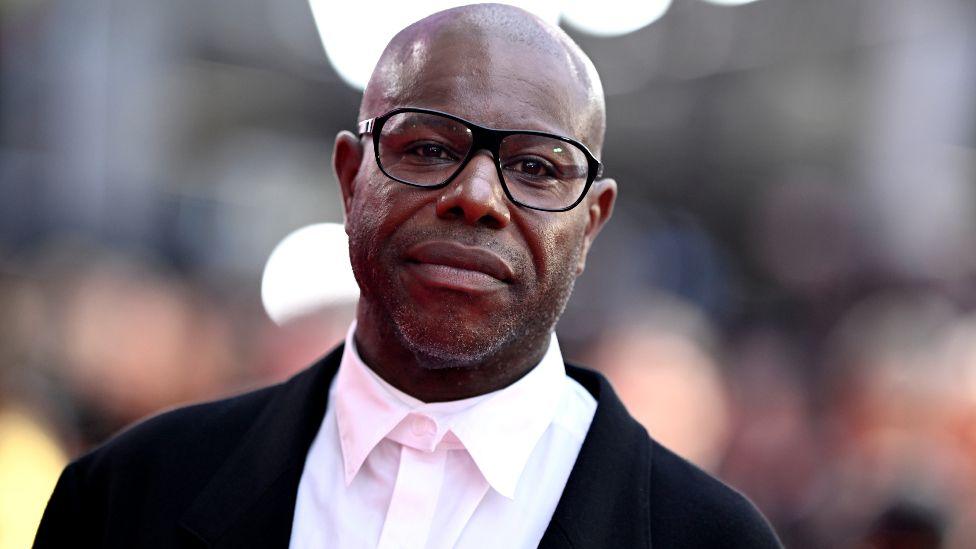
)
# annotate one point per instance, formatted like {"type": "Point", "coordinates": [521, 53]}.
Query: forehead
{"type": "Point", "coordinates": [491, 81]}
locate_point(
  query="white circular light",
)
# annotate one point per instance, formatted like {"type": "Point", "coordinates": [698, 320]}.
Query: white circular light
{"type": "Point", "coordinates": [613, 17]}
{"type": "Point", "coordinates": [730, 2]}
{"type": "Point", "coordinates": [355, 33]}
{"type": "Point", "coordinates": [307, 270]}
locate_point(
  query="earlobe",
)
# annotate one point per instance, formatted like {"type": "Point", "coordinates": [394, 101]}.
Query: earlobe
{"type": "Point", "coordinates": [347, 157]}
{"type": "Point", "coordinates": [599, 204]}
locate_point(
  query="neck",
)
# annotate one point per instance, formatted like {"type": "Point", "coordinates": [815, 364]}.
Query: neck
{"type": "Point", "coordinates": [431, 380]}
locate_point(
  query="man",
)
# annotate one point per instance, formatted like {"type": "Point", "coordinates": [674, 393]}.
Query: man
{"type": "Point", "coordinates": [448, 418]}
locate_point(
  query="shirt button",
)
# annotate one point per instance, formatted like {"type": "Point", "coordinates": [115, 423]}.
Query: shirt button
{"type": "Point", "coordinates": [423, 426]}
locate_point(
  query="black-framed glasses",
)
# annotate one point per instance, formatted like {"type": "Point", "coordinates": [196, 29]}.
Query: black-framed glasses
{"type": "Point", "coordinates": [428, 148]}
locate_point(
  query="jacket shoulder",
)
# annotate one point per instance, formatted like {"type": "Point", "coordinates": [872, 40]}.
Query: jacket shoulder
{"type": "Point", "coordinates": [627, 490]}
{"type": "Point", "coordinates": [169, 456]}
{"type": "Point", "coordinates": [195, 431]}
{"type": "Point", "coordinates": [141, 479]}
{"type": "Point", "coordinates": [690, 508]}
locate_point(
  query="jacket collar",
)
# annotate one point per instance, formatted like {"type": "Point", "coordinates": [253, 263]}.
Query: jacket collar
{"type": "Point", "coordinates": [250, 501]}
{"type": "Point", "coordinates": [606, 502]}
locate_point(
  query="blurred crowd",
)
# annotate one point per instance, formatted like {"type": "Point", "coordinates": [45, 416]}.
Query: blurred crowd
{"type": "Point", "coordinates": [93, 341]}
{"type": "Point", "coordinates": [786, 295]}
{"type": "Point", "coordinates": [857, 438]}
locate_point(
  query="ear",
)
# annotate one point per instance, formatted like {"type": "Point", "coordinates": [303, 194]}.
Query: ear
{"type": "Point", "coordinates": [347, 157]}
{"type": "Point", "coordinates": [599, 204]}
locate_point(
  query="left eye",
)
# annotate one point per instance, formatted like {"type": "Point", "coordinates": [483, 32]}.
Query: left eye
{"type": "Point", "coordinates": [532, 166]}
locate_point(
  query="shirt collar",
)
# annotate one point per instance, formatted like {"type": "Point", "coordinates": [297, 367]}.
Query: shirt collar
{"type": "Point", "coordinates": [499, 430]}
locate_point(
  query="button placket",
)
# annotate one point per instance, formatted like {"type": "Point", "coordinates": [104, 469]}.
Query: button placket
{"type": "Point", "coordinates": [411, 510]}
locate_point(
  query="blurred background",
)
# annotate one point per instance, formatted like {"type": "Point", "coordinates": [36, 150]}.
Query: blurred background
{"type": "Point", "coordinates": [786, 294]}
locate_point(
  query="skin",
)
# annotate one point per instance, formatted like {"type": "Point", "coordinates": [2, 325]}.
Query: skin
{"type": "Point", "coordinates": [444, 343]}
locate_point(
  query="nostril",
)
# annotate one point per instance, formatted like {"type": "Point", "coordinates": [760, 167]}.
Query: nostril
{"type": "Point", "coordinates": [494, 219]}
{"type": "Point", "coordinates": [452, 212]}
{"type": "Point", "coordinates": [491, 222]}
{"type": "Point", "coordinates": [472, 216]}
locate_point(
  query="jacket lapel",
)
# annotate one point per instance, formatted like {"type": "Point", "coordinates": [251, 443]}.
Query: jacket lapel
{"type": "Point", "coordinates": [250, 501]}
{"type": "Point", "coordinates": [606, 501]}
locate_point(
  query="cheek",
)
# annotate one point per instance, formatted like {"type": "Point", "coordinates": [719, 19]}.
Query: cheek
{"type": "Point", "coordinates": [364, 225]}
{"type": "Point", "coordinates": [556, 244]}
{"type": "Point", "coordinates": [373, 208]}
{"type": "Point", "coordinates": [379, 209]}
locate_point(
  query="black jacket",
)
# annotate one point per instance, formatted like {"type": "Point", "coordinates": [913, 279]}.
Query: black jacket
{"type": "Point", "coordinates": [225, 474]}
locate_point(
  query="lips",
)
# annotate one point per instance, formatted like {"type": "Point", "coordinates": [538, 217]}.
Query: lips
{"type": "Point", "coordinates": [459, 256]}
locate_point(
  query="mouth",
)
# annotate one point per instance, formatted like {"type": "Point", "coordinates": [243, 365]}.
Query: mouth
{"type": "Point", "coordinates": [451, 265]}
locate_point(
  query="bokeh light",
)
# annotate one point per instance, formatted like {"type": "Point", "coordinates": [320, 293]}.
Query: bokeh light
{"type": "Point", "coordinates": [730, 2]}
{"type": "Point", "coordinates": [308, 270]}
{"type": "Point", "coordinates": [613, 17]}
{"type": "Point", "coordinates": [355, 33]}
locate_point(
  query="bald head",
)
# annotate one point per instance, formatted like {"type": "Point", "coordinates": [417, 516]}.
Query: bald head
{"type": "Point", "coordinates": [490, 58]}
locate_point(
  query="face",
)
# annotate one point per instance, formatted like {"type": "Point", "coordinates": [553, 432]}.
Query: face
{"type": "Point", "coordinates": [460, 274]}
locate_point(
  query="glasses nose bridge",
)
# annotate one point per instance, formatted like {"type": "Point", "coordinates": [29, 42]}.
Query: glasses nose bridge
{"type": "Point", "coordinates": [469, 167]}
{"type": "Point", "coordinates": [484, 139]}
{"type": "Point", "coordinates": [478, 192]}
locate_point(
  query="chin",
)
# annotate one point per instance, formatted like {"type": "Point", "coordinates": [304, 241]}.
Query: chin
{"type": "Point", "coordinates": [445, 347]}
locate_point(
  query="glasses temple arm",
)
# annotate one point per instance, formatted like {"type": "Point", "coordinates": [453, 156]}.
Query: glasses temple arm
{"type": "Point", "coordinates": [366, 126]}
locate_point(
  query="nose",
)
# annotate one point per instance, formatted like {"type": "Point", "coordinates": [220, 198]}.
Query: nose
{"type": "Point", "coordinates": [476, 195]}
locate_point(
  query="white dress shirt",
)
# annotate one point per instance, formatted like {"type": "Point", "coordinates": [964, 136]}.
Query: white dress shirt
{"type": "Point", "coordinates": [387, 470]}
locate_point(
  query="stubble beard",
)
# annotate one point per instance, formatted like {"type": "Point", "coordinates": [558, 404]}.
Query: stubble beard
{"type": "Point", "coordinates": [510, 334]}
{"type": "Point", "coordinates": [518, 332]}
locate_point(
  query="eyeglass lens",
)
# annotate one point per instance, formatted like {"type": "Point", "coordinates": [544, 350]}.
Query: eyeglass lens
{"type": "Point", "coordinates": [426, 149]}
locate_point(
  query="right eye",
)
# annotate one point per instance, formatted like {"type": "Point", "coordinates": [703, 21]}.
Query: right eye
{"type": "Point", "coordinates": [431, 151]}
